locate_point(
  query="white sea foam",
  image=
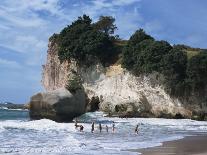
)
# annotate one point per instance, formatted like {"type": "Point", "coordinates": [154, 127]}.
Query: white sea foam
{"type": "Point", "coordinates": [4, 108]}
{"type": "Point", "coordinates": [18, 109]}
{"type": "Point", "coordinates": [48, 137]}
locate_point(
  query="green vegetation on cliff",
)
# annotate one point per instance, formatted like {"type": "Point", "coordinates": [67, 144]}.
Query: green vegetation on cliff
{"type": "Point", "coordinates": [197, 73]}
{"type": "Point", "coordinates": [74, 84]}
{"type": "Point", "coordinates": [184, 68]}
{"type": "Point", "coordinates": [88, 42]}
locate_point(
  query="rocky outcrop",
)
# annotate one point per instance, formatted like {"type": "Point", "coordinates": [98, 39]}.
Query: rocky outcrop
{"type": "Point", "coordinates": [118, 92]}
{"type": "Point", "coordinates": [55, 74]}
{"type": "Point", "coordinates": [59, 105]}
{"type": "Point", "coordinates": [125, 95]}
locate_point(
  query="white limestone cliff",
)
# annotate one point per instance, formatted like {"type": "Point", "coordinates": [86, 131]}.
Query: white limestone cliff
{"type": "Point", "coordinates": [121, 87]}
{"type": "Point", "coordinates": [117, 89]}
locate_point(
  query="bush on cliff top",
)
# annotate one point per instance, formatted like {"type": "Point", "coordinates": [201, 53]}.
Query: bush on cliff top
{"type": "Point", "coordinates": [87, 43]}
{"type": "Point", "coordinates": [183, 74]}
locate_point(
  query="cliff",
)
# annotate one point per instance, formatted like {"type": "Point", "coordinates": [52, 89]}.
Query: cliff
{"type": "Point", "coordinates": [117, 92]}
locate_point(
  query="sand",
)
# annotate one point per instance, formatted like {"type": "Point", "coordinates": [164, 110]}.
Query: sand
{"type": "Point", "coordinates": [193, 145]}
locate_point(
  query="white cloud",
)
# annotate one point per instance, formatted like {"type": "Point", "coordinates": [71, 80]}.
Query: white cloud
{"type": "Point", "coordinates": [9, 64]}
{"type": "Point", "coordinates": [123, 2]}
{"type": "Point", "coordinates": [18, 19]}
{"type": "Point", "coordinates": [23, 12]}
{"type": "Point", "coordinates": [26, 26]}
{"type": "Point", "coordinates": [25, 43]}
{"type": "Point", "coordinates": [99, 4]}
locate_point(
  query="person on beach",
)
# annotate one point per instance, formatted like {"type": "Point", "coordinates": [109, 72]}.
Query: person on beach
{"type": "Point", "coordinates": [137, 129]}
{"type": "Point", "coordinates": [113, 127]}
{"type": "Point", "coordinates": [92, 127]}
{"type": "Point", "coordinates": [100, 127]}
{"type": "Point", "coordinates": [81, 128]}
{"type": "Point", "coordinates": [107, 128]}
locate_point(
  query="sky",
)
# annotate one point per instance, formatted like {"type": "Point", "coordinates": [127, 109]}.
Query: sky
{"type": "Point", "coordinates": [26, 25]}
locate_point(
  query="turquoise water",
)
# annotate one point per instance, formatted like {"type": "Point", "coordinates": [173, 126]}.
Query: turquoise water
{"type": "Point", "coordinates": [6, 114]}
{"type": "Point", "coordinates": [21, 136]}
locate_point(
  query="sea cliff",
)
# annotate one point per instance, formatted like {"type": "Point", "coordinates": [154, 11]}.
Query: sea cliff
{"type": "Point", "coordinates": [90, 68]}
{"type": "Point", "coordinates": [117, 91]}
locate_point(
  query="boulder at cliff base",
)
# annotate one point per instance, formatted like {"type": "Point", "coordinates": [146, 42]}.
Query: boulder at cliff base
{"type": "Point", "coordinates": [59, 105]}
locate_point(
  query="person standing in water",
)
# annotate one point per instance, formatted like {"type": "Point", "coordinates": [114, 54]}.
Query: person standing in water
{"type": "Point", "coordinates": [81, 128]}
{"type": "Point", "coordinates": [113, 127]}
{"type": "Point", "coordinates": [92, 127]}
{"type": "Point", "coordinates": [107, 128]}
{"type": "Point", "coordinates": [137, 129]}
{"type": "Point", "coordinates": [100, 127]}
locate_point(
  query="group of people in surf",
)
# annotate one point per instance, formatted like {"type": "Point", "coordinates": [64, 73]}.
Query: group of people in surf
{"type": "Point", "coordinates": [100, 127]}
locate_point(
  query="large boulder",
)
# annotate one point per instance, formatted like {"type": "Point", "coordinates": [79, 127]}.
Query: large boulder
{"type": "Point", "coordinates": [59, 105]}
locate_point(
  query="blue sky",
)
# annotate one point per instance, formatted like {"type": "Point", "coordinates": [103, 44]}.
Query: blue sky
{"type": "Point", "coordinates": [25, 26]}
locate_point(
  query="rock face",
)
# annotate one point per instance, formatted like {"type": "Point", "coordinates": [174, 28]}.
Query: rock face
{"type": "Point", "coordinates": [54, 73]}
{"type": "Point", "coordinates": [118, 92]}
{"type": "Point", "coordinates": [59, 105]}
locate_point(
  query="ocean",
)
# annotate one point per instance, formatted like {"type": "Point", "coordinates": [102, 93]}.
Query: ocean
{"type": "Point", "coordinates": [21, 136]}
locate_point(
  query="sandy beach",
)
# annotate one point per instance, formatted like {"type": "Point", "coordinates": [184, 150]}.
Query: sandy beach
{"type": "Point", "coordinates": [193, 145]}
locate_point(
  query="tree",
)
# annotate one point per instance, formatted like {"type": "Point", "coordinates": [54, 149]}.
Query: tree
{"type": "Point", "coordinates": [174, 69]}
{"type": "Point", "coordinates": [132, 55]}
{"type": "Point", "coordinates": [144, 55]}
{"type": "Point", "coordinates": [69, 38]}
{"type": "Point", "coordinates": [106, 25]}
{"type": "Point", "coordinates": [74, 84]}
{"type": "Point", "coordinates": [197, 72]}
{"type": "Point", "coordinates": [138, 37]}
{"type": "Point", "coordinates": [153, 56]}
{"type": "Point", "coordinates": [84, 43]}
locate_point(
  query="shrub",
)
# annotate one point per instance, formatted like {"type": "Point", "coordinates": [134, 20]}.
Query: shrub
{"type": "Point", "coordinates": [74, 84]}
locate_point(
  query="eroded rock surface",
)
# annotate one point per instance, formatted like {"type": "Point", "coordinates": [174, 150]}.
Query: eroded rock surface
{"type": "Point", "coordinates": [59, 105]}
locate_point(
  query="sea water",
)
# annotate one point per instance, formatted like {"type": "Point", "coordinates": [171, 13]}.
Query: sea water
{"type": "Point", "coordinates": [21, 136]}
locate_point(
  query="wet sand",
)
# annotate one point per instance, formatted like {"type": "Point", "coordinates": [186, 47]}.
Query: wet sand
{"type": "Point", "coordinates": [194, 145]}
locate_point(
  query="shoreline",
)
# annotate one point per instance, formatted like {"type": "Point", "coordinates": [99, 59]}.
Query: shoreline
{"type": "Point", "coordinates": [190, 145]}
